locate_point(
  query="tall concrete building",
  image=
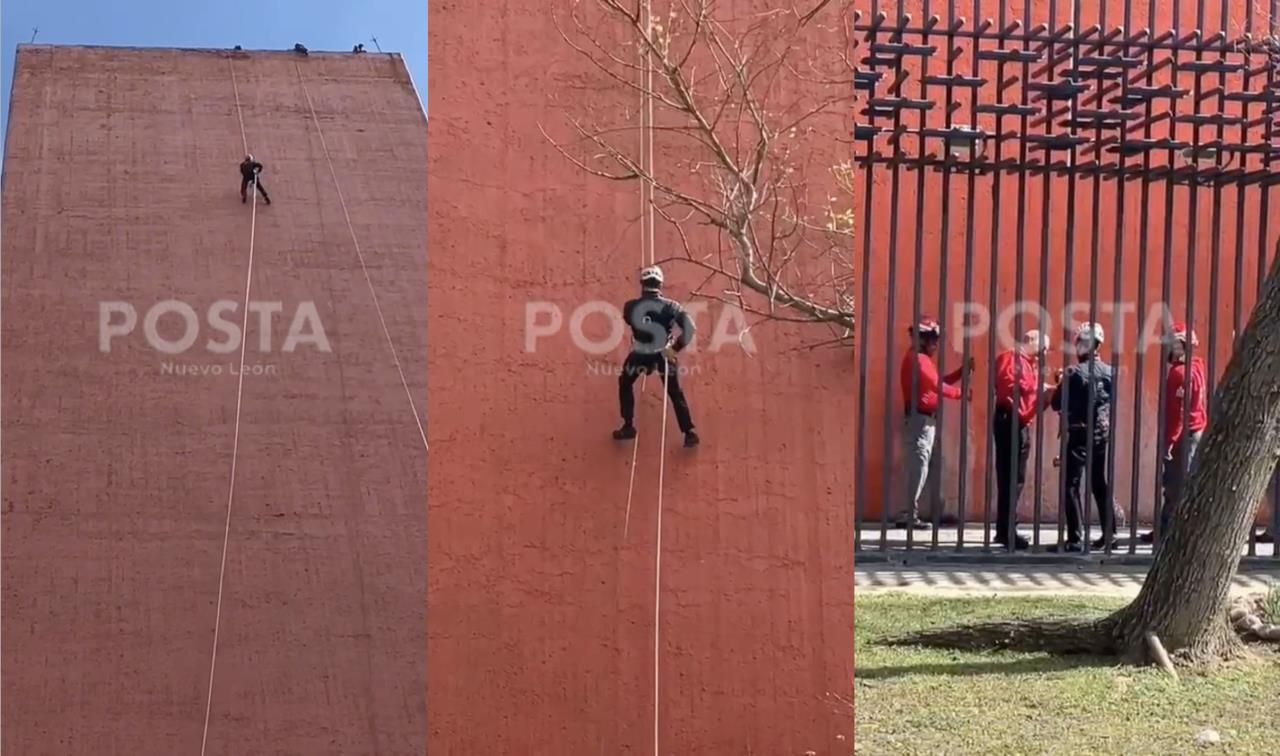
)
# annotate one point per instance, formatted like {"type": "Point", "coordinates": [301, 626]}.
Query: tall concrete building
{"type": "Point", "coordinates": [213, 544]}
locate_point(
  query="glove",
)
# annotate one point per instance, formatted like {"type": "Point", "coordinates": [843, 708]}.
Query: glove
{"type": "Point", "coordinates": [669, 354]}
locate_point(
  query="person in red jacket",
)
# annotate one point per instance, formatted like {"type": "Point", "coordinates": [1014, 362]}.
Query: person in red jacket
{"type": "Point", "coordinates": [919, 378]}
{"type": "Point", "coordinates": [1184, 394]}
{"type": "Point", "coordinates": [1019, 398]}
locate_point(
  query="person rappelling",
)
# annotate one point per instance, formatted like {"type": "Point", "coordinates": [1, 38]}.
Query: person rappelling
{"type": "Point", "coordinates": [250, 173]}
{"type": "Point", "coordinates": [654, 348]}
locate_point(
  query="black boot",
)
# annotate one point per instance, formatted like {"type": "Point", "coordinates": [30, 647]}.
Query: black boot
{"type": "Point", "coordinates": [625, 433]}
{"type": "Point", "coordinates": [266, 199]}
{"type": "Point", "coordinates": [690, 439]}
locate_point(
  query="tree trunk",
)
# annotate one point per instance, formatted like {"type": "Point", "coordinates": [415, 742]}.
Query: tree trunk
{"type": "Point", "coordinates": [1184, 598]}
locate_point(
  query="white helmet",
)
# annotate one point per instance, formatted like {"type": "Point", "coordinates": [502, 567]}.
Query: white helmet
{"type": "Point", "coordinates": [1092, 333]}
{"type": "Point", "coordinates": [651, 277]}
{"type": "Point", "coordinates": [1034, 342]}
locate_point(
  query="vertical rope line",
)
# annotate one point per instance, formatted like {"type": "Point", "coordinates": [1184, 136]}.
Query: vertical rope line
{"type": "Point", "coordinates": [359, 254]}
{"type": "Point", "coordinates": [235, 443]}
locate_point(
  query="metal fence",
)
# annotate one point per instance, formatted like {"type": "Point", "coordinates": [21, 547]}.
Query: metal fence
{"type": "Point", "coordinates": [1085, 160]}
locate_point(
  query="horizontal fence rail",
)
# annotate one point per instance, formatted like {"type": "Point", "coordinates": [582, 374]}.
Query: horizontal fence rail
{"type": "Point", "coordinates": [1108, 163]}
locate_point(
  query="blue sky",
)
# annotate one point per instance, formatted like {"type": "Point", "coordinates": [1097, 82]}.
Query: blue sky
{"type": "Point", "coordinates": [399, 25]}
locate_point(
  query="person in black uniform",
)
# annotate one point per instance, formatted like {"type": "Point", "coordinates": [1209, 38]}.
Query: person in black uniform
{"type": "Point", "coordinates": [1084, 399]}
{"type": "Point", "coordinates": [652, 317]}
{"type": "Point", "coordinates": [250, 171]}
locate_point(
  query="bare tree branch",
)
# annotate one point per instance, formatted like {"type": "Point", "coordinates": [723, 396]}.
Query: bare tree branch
{"type": "Point", "coordinates": [743, 97]}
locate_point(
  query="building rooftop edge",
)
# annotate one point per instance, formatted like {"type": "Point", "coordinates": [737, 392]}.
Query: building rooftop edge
{"type": "Point", "coordinates": [204, 50]}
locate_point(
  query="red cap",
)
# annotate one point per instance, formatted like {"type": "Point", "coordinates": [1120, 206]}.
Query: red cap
{"type": "Point", "coordinates": [1182, 333]}
{"type": "Point", "coordinates": [926, 325]}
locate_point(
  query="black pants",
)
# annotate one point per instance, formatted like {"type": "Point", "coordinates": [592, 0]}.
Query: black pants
{"type": "Point", "coordinates": [1013, 446]}
{"type": "Point", "coordinates": [1078, 460]}
{"type": "Point", "coordinates": [642, 363]}
{"type": "Point", "coordinates": [244, 188]}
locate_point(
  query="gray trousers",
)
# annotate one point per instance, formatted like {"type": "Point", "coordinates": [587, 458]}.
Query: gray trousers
{"type": "Point", "coordinates": [919, 432]}
{"type": "Point", "coordinates": [1176, 472]}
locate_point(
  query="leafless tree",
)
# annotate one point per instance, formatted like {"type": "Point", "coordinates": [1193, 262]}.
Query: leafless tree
{"type": "Point", "coordinates": [740, 101]}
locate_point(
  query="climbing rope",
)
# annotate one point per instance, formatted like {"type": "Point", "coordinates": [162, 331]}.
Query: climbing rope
{"type": "Point", "coordinates": [359, 254]}
{"type": "Point", "coordinates": [235, 443]}
{"type": "Point", "coordinates": [647, 235]}
{"type": "Point", "coordinates": [657, 558]}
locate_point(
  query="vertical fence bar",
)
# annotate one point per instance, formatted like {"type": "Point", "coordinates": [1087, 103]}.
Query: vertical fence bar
{"type": "Point", "coordinates": [1117, 284]}
{"type": "Point", "coordinates": [1170, 202]}
{"type": "Point", "coordinates": [943, 267]}
{"type": "Point", "coordinates": [918, 272]}
{"type": "Point", "coordinates": [1237, 305]}
{"type": "Point", "coordinates": [895, 194]}
{"type": "Point", "coordinates": [1095, 245]}
{"type": "Point", "coordinates": [869, 167]}
{"type": "Point", "coordinates": [1063, 418]}
{"type": "Point", "coordinates": [993, 288]}
{"type": "Point", "coordinates": [1273, 23]}
{"type": "Point", "coordinates": [1144, 257]}
{"type": "Point", "coordinates": [1193, 243]}
{"type": "Point", "coordinates": [967, 384]}
{"type": "Point", "coordinates": [1167, 280]}
{"type": "Point", "coordinates": [1021, 240]}
{"type": "Point", "coordinates": [1010, 530]}
{"type": "Point", "coordinates": [1215, 260]}
{"type": "Point", "coordinates": [1046, 221]}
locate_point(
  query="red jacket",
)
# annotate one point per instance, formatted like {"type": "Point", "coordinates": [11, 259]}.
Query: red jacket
{"type": "Point", "coordinates": [1197, 418]}
{"type": "Point", "coordinates": [1007, 374]}
{"type": "Point", "coordinates": [928, 385]}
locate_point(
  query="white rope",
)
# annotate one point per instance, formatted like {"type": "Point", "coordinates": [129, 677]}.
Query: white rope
{"type": "Point", "coordinates": [646, 244]}
{"type": "Point", "coordinates": [235, 443]}
{"type": "Point", "coordinates": [356, 242]}
{"type": "Point", "coordinates": [647, 141]}
{"type": "Point", "coordinates": [657, 561]}
{"type": "Point", "coordinates": [631, 485]}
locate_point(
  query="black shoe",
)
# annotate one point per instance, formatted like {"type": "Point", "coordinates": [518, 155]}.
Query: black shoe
{"type": "Point", "coordinates": [913, 524]}
{"type": "Point", "coordinates": [1148, 537]}
{"type": "Point", "coordinates": [625, 433]}
{"type": "Point", "coordinates": [1019, 543]}
{"type": "Point", "coordinates": [267, 200]}
{"type": "Point", "coordinates": [1102, 542]}
{"type": "Point", "coordinates": [691, 440]}
{"type": "Point", "coordinates": [1070, 547]}
{"type": "Point", "coordinates": [1266, 536]}
{"type": "Point", "coordinates": [243, 199]}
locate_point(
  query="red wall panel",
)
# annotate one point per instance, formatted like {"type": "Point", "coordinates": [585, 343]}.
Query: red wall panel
{"type": "Point", "coordinates": [542, 593]}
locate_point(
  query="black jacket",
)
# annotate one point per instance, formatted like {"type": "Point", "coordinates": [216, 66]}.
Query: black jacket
{"type": "Point", "coordinates": [652, 317]}
{"type": "Point", "coordinates": [1086, 384]}
{"type": "Point", "coordinates": [249, 169]}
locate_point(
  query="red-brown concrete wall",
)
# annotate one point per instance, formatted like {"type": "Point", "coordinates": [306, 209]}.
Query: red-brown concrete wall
{"type": "Point", "coordinates": [121, 184]}
{"type": "Point", "coordinates": [541, 598]}
{"type": "Point", "coordinates": [943, 269]}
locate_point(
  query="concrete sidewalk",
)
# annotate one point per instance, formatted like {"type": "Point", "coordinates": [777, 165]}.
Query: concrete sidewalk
{"type": "Point", "coordinates": [1028, 580]}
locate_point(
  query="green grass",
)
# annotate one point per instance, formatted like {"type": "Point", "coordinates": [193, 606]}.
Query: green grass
{"type": "Point", "coordinates": [925, 701]}
{"type": "Point", "coordinates": [1272, 604]}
